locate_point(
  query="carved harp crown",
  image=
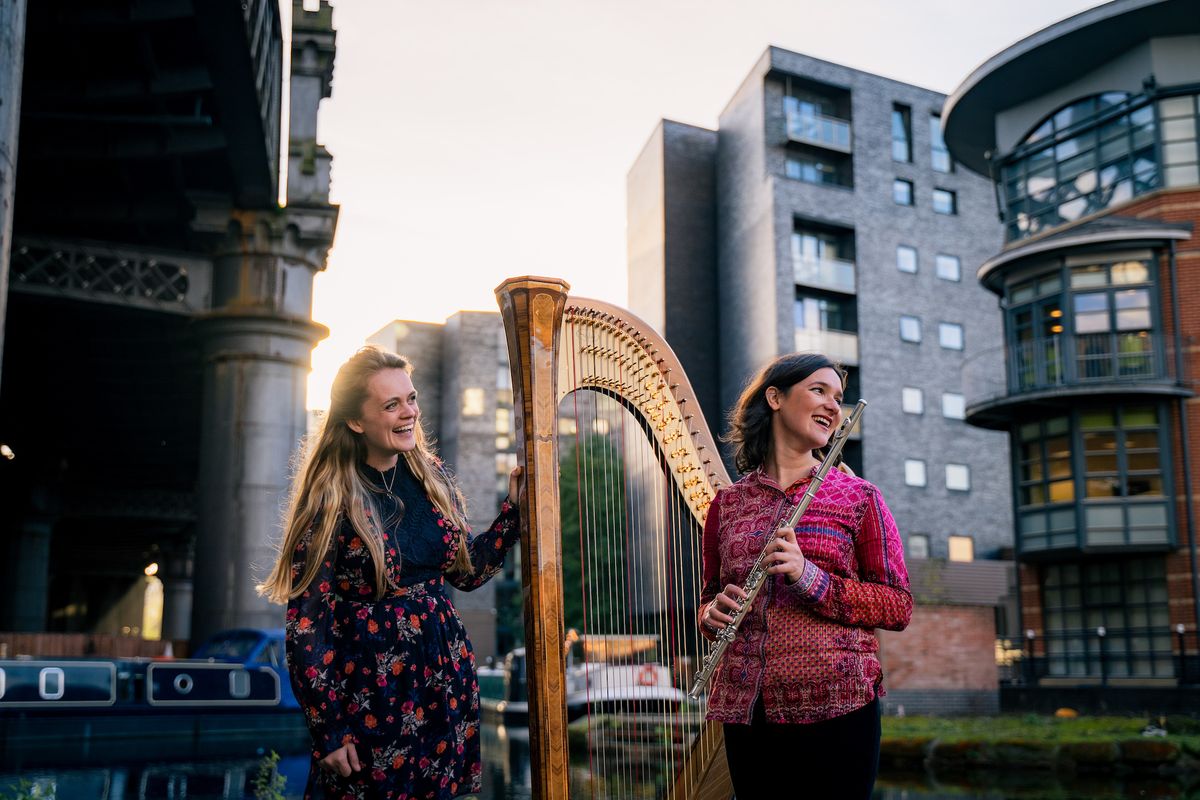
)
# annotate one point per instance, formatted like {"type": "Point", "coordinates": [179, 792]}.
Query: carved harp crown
{"type": "Point", "coordinates": [635, 537]}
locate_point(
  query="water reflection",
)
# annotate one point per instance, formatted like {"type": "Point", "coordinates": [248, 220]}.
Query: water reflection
{"type": "Point", "coordinates": [630, 774]}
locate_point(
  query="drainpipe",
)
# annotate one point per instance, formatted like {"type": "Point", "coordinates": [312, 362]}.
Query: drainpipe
{"type": "Point", "coordinates": [1183, 433]}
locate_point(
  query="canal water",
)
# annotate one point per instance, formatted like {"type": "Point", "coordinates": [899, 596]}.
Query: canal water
{"type": "Point", "coordinates": [506, 777]}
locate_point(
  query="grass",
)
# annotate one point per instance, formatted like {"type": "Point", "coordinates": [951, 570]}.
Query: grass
{"type": "Point", "coordinates": [1028, 727]}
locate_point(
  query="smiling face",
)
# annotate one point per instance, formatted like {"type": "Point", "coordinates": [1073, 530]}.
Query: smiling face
{"type": "Point", "coordinates": [388, 420]}
{"type": "Point", "coordinates": [808, 412]}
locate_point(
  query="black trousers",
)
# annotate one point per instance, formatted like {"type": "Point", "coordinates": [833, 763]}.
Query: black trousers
{"type": "Point", "coordinates": [832, 760]}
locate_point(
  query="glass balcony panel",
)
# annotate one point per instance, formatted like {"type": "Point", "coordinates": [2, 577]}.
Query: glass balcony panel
{"type": "Point", "coordinates": [1152, 514]}
{"type": "Point", "coordinates": [1148, 536]}
{"type": "Point", "coordinates": [813, 128]}
{"type": "Point", "coordinates": [826, 273]}
{"type": "Point", "coordinates": [841, 347]}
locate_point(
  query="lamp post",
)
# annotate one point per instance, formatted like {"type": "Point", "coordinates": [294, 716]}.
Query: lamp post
{"type": "Point", "coordinates": [1101, 632]}
{"type": "Point", "coordinates": [1179, 629]}
{"type": "Point", "coordinates": [1030, 672]}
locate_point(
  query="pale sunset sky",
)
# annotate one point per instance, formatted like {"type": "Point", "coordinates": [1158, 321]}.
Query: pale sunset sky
{"type": "Point", "coordinates": [474, 140]}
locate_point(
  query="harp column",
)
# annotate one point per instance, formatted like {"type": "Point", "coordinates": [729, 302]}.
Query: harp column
{"type": "Point", "coordinates": [532, 309]}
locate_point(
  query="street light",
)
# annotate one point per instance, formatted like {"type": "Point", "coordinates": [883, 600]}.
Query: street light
{"type": "Point", "coordinates": [1179, 629]}
{"type": "Point", "coordinates": [1101, 632]}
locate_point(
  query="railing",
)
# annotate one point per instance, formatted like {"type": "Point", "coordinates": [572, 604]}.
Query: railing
{"type": "Point", "coordinates": [825, 273]}
{"type": "Point", "coordinates": [101, 273]}
{"type": "Point", "coordinates": [818, 129]}
{"type": "Point", "coordinates": [1084, 654]}
{"type": "Point", "coordinates": [841, 347]}
{"type": "Point", "coordinates": [1067, 361]}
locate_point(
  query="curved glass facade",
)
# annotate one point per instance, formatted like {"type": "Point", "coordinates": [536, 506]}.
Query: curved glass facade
{"type": "Point", "coordinates": [1097, 152]}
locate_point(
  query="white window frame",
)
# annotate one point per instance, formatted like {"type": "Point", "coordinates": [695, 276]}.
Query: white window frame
{"type": "Point", "coordinates": [958, 477]}
{"type": "Point", "coordinates": [959, 411]}
{"type": "Point", "coordinates": [912, 400]}
{"type": "Point", "coordinates": [913, 466]}
{"type": "Point", "coordinates": [944, 258]}
{"type": "Point", "coordinates": [945, 328]}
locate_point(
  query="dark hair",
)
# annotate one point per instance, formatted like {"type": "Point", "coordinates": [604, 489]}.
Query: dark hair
{"type": "Point", "coordinates": [750, 419]}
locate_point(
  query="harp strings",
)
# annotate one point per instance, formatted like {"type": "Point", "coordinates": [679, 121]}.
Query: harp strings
{"type": "Point", "coordinates": [639, 559]}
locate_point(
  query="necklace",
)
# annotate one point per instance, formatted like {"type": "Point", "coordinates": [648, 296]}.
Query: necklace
{"type": "Point", "coordinates": [387, 487]}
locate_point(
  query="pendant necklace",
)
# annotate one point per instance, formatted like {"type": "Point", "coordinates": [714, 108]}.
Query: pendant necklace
{"type": "Point", "coordinates": [387, 487]}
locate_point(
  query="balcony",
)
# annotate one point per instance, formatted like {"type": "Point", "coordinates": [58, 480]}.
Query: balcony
{"type": "Point", "coordinates": [825, 273]}
{"type": "Point", "coordinates": [818, 129]}
{"type": "Point", "coordinates": [1054, 370]}
{"type": "Point", "coordinates": [841, 347]}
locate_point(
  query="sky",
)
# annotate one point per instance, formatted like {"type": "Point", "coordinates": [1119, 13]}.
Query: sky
{"type": "Point", "coordinates": [476, 140]}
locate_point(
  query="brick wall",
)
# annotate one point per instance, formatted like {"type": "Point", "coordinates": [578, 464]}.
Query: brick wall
{"type": "Point", "coordinates": [947, 648]}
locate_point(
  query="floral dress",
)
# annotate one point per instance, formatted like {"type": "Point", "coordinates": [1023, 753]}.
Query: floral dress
{"type": "Point", "coordinates": [395, 676]}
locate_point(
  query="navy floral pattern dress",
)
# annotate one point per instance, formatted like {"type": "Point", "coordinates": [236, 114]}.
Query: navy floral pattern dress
{"type": "Point", "coordinates": [396, 676]}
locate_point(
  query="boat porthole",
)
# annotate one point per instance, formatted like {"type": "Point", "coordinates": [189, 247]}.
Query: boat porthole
{"type": "Point", "coordinates": [51, 683]}
{"type": "Point", "coordinates": [183, 683]}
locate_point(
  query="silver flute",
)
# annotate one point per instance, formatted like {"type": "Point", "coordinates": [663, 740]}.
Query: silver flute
{"type": "Point", "coordinates": [758, 572]}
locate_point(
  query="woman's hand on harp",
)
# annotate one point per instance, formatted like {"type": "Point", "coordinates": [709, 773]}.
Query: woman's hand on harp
{"type": "Point", "coordinates": [785, 557]}
{"type": "Point", "coordinates": [516, 485]}
{"type": "Point", "coordinates": [720, 611]}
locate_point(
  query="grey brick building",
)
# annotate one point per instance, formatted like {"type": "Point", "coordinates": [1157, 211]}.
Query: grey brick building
{"type": "Point", "coordinates": [784, 230]}
{"type": "Point", "coordinates": [461, 373]}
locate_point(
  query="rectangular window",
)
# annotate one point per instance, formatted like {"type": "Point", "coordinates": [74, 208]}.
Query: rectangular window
{"type": "Point", "coordinates": [950, 335]}
{"type": "Point", "coordinates": [954, 406]}
{"type": "Point", "coordinates": [902, 192]}
{"type": "Point", "coordinates": [918, 545]}
{"type": "Point", "coordinates": [914, 472]}
{"type": "Point", "coordinates": [958, 477]}
{"type": "Point", "coordinates": [945, 201]}
{"type": "Point", "coordinates": [906, 258]}
{"type": "Point", "coordinates": [821, 170]}
{"type": "Point", "coordinates": [910, 329]}
{"type": "Point", "coordinates": [912, 400]}
{"type": "Point", "coordinates": [472, 402]}
{"type": "Point", "coordinates": [901, 133]}
{"type": "Point", "coordinates": [962, 548]}
{"type": "Point", "coordinates": [949, 268]}
{"type": "Point", "coordinates": [937, 146]}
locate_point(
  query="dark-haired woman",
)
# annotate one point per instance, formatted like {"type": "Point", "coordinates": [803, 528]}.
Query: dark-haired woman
{"type": "Point", "coordinates": [378, 656]}
{"type": "Point", "coordinates": [799, 685]}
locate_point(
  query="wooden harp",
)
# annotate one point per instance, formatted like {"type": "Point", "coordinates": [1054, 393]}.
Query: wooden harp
{"type": "Point", "coordinates": [663, 464]}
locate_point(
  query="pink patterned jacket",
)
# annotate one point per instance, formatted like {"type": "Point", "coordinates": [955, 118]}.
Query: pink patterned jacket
{"type": "Point", "coordinates": [808, 649]}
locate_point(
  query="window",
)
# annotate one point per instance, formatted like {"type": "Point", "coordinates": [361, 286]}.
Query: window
{"type": "Point", "coordinates": [906, 258]}
{"type": "Point", "coordinates": [954, 406]}
{"type": "Point", "coordinates": [472, 402]}
{"type": "Point", "coordinates": [937, 146]}
{"type": "Point", "coordinates": [902, 192]}
{"type": "Point", "coordinates": [1128, 598]}
{"type": "Point", "coordinates": [1177, 115]}
{"type": "Point", "coordinates": [910, 329]}
{"type": "Point", "coordinates": [825, 314]}
{"type": "Point", "coordinates": [914, 472]}
{"type": "Point", "coordinates": [918, 545]}
{"type": "Point", "coordinates": [962, 548]}
{"type": "Point", "coordinates": [901, 133]}
{"type": "Point", "coordinates": [1121, 440]}
{"type": "Point", "coordinates": [945, 201]}
{"type": "Point", "coordinates": [958, 477]}
{"type": "Point", "coordinates": [912, 400]}
{"type": "Point", "coordinates": [819, 169]}
{"type": "Point", "coordinates": [949, 268]}
{"type": "Point", "coordinates": [1094, 152]}
{"type": "Point", "coordinates": [950, 335]}
{"type": "Point", "coordinates": [823, 258]}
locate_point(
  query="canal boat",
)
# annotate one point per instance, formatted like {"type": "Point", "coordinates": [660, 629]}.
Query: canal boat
{"type": "Point", "coordinates": [605, 675]}
{"type": "Point", "coordinates": [235, 690]}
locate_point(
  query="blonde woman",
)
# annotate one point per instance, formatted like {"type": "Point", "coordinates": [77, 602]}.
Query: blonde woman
{"type": "Point", "coordinates": [378, 656]}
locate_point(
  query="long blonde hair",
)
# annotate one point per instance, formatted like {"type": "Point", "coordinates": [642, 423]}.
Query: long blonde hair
{"type": "Point", "coordinates": [329, 483]}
